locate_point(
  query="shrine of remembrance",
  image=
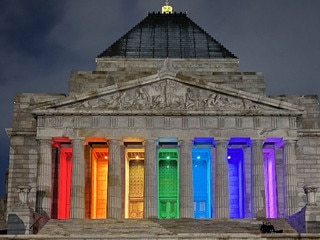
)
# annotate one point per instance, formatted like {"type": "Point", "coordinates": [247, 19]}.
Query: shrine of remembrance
{"type": "Point", "coordinates": [166, 126]}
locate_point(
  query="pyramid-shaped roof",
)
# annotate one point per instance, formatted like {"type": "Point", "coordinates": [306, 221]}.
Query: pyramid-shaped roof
{"type": "Point", "coordinates": [166, 36]}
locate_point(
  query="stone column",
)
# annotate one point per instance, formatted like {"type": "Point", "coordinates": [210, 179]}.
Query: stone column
{"type": "Point", "coordinates": [222, 187]}
{"type": "Point", "coordinates": [311, 192]}
{"type": "Point", "coordinates": [114, 181]}
{"type": "Point", "coordinates": [44, 179]}
{"type": "Point", "coordinates": [77, 199]}
{"type": "Point", "coordinates": [151, 180]}
{"type": "Point", "coordinates": [258, 179]}
{"type": "Point", "coordinates": [186, 189]}
{"type": "Point", "coordinates": [290, 177]}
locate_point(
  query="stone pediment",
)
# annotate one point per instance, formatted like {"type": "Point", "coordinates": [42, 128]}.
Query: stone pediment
{"type": "Point", "coordinates": [168, 93]}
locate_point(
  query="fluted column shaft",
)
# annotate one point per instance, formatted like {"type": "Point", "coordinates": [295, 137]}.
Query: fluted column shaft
{"type": "Point", "coordinates": [114, 181]}
{"type": "Point", "coordinates": [77, 199]}
{"type": "Point", "coordinates": [258, 179]}
{"type": "Point", "coordinates": [222, 189]}
{"type": "Point", "coordinates": [44, 178]}
{"type": "Point", "coordinates": [151, 183]}
{"type": "Point", "coordinates": [186, 189]}
{"type": "Point", "coordinates": [290, 163]}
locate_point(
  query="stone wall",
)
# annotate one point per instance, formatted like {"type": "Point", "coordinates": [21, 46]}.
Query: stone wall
{"type": "Point", "coordinates": [308, 144]}
{"type": "Point", "coordinates": [3, 213]}
{"type": "Point", "coordinates": [222, 72]}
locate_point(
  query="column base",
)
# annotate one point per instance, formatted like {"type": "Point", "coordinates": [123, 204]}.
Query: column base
{"type": "Point", "coordinates": [20, 219]}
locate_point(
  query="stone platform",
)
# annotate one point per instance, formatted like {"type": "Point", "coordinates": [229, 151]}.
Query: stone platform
{"type": "Point", "coordinates": [173, 229]}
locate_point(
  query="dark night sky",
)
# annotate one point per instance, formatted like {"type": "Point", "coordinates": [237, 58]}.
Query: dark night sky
{"type": "Point", "coordinates": [42, 41]}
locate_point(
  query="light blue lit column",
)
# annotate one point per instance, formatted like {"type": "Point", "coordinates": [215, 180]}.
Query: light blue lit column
{"type": "Point", "coordinates": [186, 191]}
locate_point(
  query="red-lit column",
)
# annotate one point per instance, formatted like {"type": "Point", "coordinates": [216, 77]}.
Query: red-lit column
{"type": "Point", "coordinates": [290, 176]}
{"type": "Point", "coordinates": [186, 190]}
{"type": "Point", "coordinates": [258, 179]}
{"type": "Point", "coordinates": [77, 199]}
{"type": "Point", "coordinates": [44, 178]}
{"type": "Point", "coordinates": [151, 183]}
{"type": "Point", "coordinates": [222, 187]}
{"type": "Point", "coordinates": [114, 181]}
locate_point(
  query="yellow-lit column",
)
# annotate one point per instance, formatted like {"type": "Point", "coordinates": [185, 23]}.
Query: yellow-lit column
{"type": "Point", "coordinates": [77, 198]}
{"type": "Point", "coordinates": [44, 178]}
{"type": "Point", "coordinates": [222, 187]}
{"type": "Point", "coordinates": [186, 189]}
{"type": "Point", "coordinates": [150, 177]}
{"type": "Point", "coordinates": [115, 180]}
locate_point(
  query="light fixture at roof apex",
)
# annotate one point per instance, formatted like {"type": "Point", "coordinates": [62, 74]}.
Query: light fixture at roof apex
{"type": "Point", "coordinates": [167, 9]}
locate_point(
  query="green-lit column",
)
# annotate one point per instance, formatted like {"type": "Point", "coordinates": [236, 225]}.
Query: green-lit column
{"type": "Point", "coordinates": [186, 191]}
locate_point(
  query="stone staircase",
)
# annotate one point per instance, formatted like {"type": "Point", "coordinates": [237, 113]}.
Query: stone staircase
{"type": "Point", "coordinates": [162, 229]}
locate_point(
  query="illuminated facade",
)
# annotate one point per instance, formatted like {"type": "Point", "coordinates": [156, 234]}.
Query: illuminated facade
{"type": "Point", "coordinates": [167, 127]}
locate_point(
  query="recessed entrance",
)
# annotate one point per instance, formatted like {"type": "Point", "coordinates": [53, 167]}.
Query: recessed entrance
{"type": "Point", "coordinates": [168, 182]}
{"type": "Point", "coordinates": [99, 180]}
{"type": "Point", "coordinates": [134, 182]}
{"type": "Point", "coordinates": [201, 179]}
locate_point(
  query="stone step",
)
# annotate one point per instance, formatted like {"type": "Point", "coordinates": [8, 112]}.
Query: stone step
{"type": "Point", "coordinates": [159, 228]}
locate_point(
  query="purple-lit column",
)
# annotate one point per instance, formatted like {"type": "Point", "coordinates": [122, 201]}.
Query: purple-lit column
{"type": "Point", "coordinates": [258, 179]}
{"type": "Point", "coordinates": [77, 198]}
{"type": "Point", "coordinates": [114, 181]}
{"type": "Point", "coordinates": [290, 176]}
{"type": "Point", "coordinates": [222, 190]}
{"type": "Point", "coordinates": [186, 191]}
{"type": "Point", "coordinates": [151, 183]}
{"type": "Point", "coordinates": [44, 178]}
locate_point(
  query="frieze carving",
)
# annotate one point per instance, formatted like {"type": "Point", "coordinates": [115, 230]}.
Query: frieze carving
{"type": "Point", "coordinates": [168, 95]}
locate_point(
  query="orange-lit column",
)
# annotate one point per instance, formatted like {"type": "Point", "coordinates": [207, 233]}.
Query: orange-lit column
{"type": "Point", "coordinates": [258, 179]}
{"type": "Point", "coordinates": [186, 190]}
{"type": "Point", "coordinates": [77, 200]}
{"type": "Point", "coordinates": [44, 178]}
{"type": "Point", "coordinates": [151, 183]}
{"type": "Point", "coordinates": [114, 182]}
{"type": "Point", "coordinates": [222, 187]}
{"type": "Point", "coordinates": [290, 164]}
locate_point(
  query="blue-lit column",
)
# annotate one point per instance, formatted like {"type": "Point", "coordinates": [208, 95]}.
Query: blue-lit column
{"type": "Point", "coordinates": [290, 176]}
{"type": "Point", "coordinates": [222, 189]}
{"type": "Point", "coordinates": [258, 179]}
{"type": "Point", "coordinates": [114, 180]}
{"type": "Point", "coordinates": [150, 177]}
{"type": "Point", "coordinates": [77, 198]}
{"type": "Point", "coordinates": [186, 191]}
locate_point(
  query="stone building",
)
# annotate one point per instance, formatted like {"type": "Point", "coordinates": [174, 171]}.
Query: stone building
{"type": "Point", "coordinates": [166, 126]}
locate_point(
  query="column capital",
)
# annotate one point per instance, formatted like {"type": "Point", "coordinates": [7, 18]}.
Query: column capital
{"type": "Point", "coordinates": [149, 140]}
{"type": "Point", "coordinates": [77, 139]}
{"type": "Point", "coordinates": [185, 141]}
{"type": "Point", "coordinates": [47, 140]}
